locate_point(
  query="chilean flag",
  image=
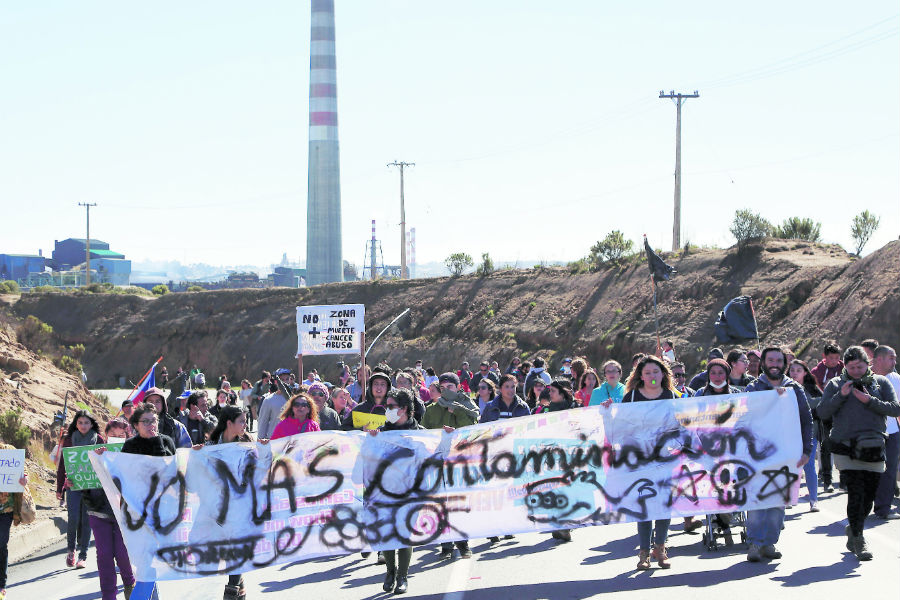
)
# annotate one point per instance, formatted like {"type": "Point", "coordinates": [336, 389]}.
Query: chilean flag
{"type": "Point", "coordinates": [148, 382]}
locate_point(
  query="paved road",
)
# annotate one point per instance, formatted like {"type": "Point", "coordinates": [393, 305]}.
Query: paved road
{"type": "Point", "coordinates": [598, 561]}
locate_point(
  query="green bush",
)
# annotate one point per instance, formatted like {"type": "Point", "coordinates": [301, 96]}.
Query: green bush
{"type": "Point", "coordinates": [9, 287]}
{"type": "Point", "coordinates": [195, 288]}
{"type": "Point", "coordinates": [160, 290]}
{"type": "Point", "coordinates": [796, 228]}
{"type": "Point", "coordinates": [68, 364]}
{"type": "Point", "coordinates": [487, 265]}
{"type": "Point", "coordinates": [863, 226]}
{"type": "Point", "coordinates": [12, 431]}
{"type": "Point", "coordinates": [36, 335]}
{"type": "Point", "coordinates": [456, 263]}
{"type": "Point", "coordinates": [46, 289]}
{"type": "Point", "coordinates": [748, 226]}
{"type": "Point", "coordinates": [611, 249]}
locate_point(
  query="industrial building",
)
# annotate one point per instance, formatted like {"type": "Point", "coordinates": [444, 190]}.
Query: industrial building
{"type": "Point", "coordinates": [18, 266]}
{"type": "Point", "coordinates": [107, 266]}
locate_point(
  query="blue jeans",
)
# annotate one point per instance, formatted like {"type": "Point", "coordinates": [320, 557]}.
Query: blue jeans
{"type": "Point", "coordinates": [645, 529]}
{"type": "Point", "coordinates": [812, 482]}
{"type": "Point", "coordinates": [764, 525]}
{"type": "Point", "coordinates": [884, 496]}
{"type": "Point", "coordinates": [79, 528]}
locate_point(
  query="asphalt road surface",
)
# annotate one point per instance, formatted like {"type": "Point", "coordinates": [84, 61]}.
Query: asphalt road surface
{"type": "Point", "coordinates": [599, 561]}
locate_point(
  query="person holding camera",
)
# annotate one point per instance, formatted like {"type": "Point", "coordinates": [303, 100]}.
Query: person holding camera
{"type": "Point", "coordinates": [858, 402]}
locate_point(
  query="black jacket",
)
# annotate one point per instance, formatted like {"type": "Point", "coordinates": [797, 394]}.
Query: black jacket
{"type": "Point", "coordinates": [161, 445]}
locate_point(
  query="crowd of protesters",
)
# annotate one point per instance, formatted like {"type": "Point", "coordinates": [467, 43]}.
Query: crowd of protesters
{"type": "Point", "coordinates": [847, 407]}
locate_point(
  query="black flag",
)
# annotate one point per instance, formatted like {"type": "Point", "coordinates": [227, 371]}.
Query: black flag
{"type": "Point", "coordinates": [737, 322]}
{"type": "Point", "coordinates": [659, 270]}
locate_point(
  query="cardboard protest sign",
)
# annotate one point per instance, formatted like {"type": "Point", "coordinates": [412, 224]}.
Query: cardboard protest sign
{"type": "Point", "coordinates": [330, 329]}
{"type": "Point", "coordinates": [363, 420]}
{"type": "Point", "coordinates": [78, 466]}
{"type": "Point", "coordinates": [232, 508]}
{"type": "Point", "coordinates": [12, 466]}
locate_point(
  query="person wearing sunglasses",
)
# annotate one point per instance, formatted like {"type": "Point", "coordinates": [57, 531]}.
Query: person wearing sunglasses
{"type": "Point", "coordinates": [300, 415]}
{"type": "Point", "coordinates": [329, 420]}
{"type": "Point", "coordinates": [679, 377]}
{"type": "Point", "coordinates": [399, 408]}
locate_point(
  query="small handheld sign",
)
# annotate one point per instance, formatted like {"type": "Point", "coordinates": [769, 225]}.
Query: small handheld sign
{"type": "Point", "coordinates": [330, 329]}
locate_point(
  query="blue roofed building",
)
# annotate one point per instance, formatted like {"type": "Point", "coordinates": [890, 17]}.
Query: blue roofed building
{"type": "Point", "coordinates": [18, 266]}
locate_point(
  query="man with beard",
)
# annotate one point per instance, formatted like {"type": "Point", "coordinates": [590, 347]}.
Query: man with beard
{"type": "Point", "coordinates": [764, 525]}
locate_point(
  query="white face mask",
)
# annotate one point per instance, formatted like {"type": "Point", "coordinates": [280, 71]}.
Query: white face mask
{"type": "Point", "coordinates": [392, 415]}
{"type": "Point", "coordinates": [718, 386]}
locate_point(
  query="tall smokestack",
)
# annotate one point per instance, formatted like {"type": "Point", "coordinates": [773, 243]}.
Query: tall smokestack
{"type": "Point", "coordinates": [323, 211]}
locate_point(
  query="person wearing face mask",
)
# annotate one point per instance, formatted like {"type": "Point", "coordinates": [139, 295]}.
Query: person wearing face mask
{"type": "Point", "coordinates": [406, 380]}
{"type": "Point", "coordinates": [859, 402]}
{"type": "Point", "coordinates": [764, 525]}
{"type": "Point", "coordinates": [453, 409]}
{"type": "Point", "coordinates": [398, 408]}
{"type": "Point", "coordinates": [612, 390]}
{"type": "Point", "coordinates": [651, 380]}
{"type": "Point", "coordinates": [300, 415]}
{"type": "Point", "coordinates": [223, 399]}
{"type": "Point", "coordinates": [717, 375]}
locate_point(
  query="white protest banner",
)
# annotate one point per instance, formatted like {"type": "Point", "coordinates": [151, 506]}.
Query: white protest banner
{"type": "Point", "coordinates": [12, 467]}
{"type": "Point", "coordinates": [330, 329]}
{"type": "Point", "coordinates": [231, 508]}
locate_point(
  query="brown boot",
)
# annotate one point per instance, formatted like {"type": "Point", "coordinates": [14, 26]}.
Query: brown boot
{"type": "Point", "coordinates": [643, 560]}
{"type": "Point", "coordinates": [659, 555]}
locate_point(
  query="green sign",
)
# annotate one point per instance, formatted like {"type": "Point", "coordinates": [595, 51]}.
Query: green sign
{"type": "Point", "coordinates": [78, 466]}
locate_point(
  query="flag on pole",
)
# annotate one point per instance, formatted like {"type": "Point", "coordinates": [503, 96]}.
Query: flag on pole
{"type": "Point", "coordinates": [659, 270]}
{"type": "Point", "coordinates": [149, 381]}
{"type": "Point", "coordinates": [737, 321]}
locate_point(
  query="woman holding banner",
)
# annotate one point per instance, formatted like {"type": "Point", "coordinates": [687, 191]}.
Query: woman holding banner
{"type": "Point", "coordinates": [83, 431]}
{"type": "Point", "coordinates": [651, 380]}
{"type": "Point", "coordinates": [232, 427]}
{"type": "Point", "coordinates": [300, 415]}
{"type": "Point", "coordinates": [111, 550]}
{"type": "Point", "coordinates": [399, 409]}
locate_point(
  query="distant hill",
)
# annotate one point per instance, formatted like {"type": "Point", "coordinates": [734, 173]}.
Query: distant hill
{"type": "Point", "coordinates": [803, 293]}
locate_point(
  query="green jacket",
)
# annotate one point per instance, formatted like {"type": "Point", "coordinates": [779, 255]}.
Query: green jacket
{"type": "Point", "coordinates": [437, 416]}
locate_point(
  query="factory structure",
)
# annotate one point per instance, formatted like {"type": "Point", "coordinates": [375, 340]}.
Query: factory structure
{"type": "Point", "coordinates": [67, 265]}
{"type": "Point", "coordinates": [324, 263]}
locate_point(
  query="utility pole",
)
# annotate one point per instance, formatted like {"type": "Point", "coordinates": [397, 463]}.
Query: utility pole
{"type": "Point", "coordinates": [404, 272]}
{"type": "Point", "coordinates": [87, 245]}
{"type": "Point", "coordinates": [679, 100]}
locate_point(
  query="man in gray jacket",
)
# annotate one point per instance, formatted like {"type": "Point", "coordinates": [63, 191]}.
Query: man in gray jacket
{"type": "Point", "coordinates": [764, 525]}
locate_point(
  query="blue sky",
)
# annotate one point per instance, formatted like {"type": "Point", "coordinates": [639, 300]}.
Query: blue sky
{"type": "Point", "coordinates": [535, 126]}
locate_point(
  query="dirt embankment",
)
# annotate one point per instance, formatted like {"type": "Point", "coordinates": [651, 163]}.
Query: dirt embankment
{"type": "Point", "coordinates": [31, 383]}
{"type": "Point", "coordinates": [803, 294]}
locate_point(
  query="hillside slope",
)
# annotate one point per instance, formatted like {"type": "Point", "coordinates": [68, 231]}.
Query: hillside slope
{"type": "Point", "coordinates": [803, 293]}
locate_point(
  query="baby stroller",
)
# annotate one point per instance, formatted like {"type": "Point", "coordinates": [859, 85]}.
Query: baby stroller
{"type": "Point", "coordinates": [724, 526]}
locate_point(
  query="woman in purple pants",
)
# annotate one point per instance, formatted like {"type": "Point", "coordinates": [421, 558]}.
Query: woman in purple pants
{"type": "Point", "coordinates": [111, 549]}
